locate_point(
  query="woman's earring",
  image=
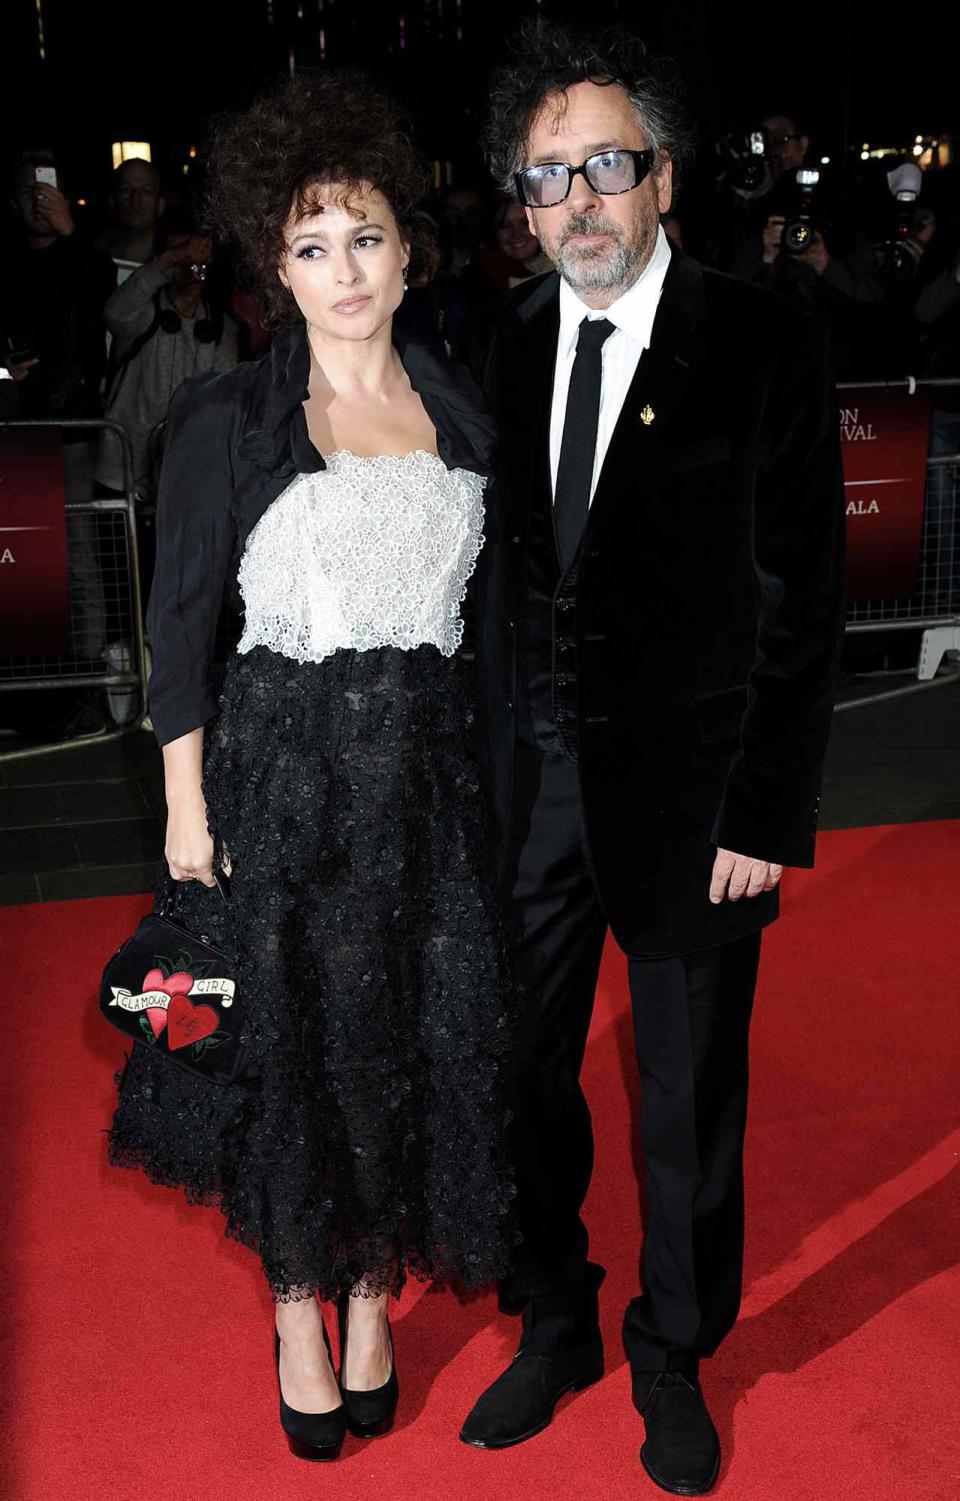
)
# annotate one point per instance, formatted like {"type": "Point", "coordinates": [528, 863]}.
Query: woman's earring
{"type": "Point", "coordinates": [405, 273]}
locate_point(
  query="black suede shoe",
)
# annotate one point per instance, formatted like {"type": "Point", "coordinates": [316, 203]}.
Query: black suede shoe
{"type": "Point", "coordinates": [682, 1450]}
{"type": "Point", "coordinates": [520, 1403]}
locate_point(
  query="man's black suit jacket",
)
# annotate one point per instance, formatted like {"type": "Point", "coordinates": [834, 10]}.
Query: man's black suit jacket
{"type": "Point", "coordinates": [709, 597]}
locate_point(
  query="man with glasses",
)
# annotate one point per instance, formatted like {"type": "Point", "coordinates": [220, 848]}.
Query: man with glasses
{"type": "Point", "coordinates": [659, 615]}
{"type": "Point", "coordinates": [787, 145]}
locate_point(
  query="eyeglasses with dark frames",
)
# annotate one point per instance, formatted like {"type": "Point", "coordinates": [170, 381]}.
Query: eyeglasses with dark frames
{"type": "Point", "coordinates": [607, 172]}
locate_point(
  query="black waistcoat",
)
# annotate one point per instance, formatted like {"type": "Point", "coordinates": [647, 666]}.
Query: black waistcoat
{"type": "Point", "coordinates": [546, 639]}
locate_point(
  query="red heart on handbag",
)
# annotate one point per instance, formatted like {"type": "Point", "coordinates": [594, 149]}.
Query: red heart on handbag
{"type": "Point", "coordinates": [157, 1017]}
{"type": "Point", "coordinates": [188, 1023]}
{"type": "Point", "coordinates": [177, 984]}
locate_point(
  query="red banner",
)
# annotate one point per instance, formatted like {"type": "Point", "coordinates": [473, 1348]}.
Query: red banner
{"type": "Point", "coordinates": [34, 592]}
{"type": "Point", "coordinates": [884, 439]}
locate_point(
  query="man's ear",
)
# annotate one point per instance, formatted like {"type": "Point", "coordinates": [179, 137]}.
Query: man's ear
{"type": "Point", "coordinates": [663, 177]}
{"type": "Point", "coordinates": [530, 224]}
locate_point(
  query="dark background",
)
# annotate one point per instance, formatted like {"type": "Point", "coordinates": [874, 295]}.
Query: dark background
{"type": "Point", "coordinates": [131, 72]}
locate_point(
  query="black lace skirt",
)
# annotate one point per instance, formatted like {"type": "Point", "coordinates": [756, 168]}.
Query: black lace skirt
{"type": "Point", "coordinates": [375, 979]}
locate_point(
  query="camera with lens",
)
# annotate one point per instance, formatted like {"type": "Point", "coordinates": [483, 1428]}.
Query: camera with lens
{"type": "Point", "coordinates": [892, 255]}
{"type": "Point", "coordinates": [743, 158]}
{"type": "Point", "coordinates": [800, 229]}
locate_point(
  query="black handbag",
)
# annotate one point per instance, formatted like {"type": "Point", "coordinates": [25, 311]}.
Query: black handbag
{"type": "Point", "coordinates": [177, 993]}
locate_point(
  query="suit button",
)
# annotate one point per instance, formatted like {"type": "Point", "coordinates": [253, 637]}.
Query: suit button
{"type": "Point", "coordinates": [563, 645]}
{"type": "Point", "coordinates": [564, 602]}
{"type": "Point", "coordinates": [561, 679]}
{"type": "Point", "coordinates": [515, 541]}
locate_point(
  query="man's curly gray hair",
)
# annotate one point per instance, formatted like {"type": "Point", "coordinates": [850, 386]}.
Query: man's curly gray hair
{"type": "Point", "coordinates": [546, 59]}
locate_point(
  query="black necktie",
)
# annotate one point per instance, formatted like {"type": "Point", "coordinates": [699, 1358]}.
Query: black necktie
{"type": "Point", "coordinates": [571, 501]}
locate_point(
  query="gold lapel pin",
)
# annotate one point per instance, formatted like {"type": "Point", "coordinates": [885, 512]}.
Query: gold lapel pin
{"type": "Point", "coordinates": [647, 415]}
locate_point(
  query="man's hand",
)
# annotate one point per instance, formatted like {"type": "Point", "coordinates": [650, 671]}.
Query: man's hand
{"type": "Point", "coordinates": [196, 248]}
{"type": "Point", "coordinates": [816, 255]}
{"type": "Point", "coordinates": [53, 206]}
{"type": "Point", "coordinates": [735, 876]}
{"type": "Point", "coordinates": [22, 370]}
{"type": "Point", "coordinates": [772, 237]}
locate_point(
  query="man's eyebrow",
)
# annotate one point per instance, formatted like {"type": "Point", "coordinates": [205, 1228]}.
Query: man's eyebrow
{"type": "Point", "coordinates": [322, 234]}
{"type": "Point", "coordinates": [548, 156]}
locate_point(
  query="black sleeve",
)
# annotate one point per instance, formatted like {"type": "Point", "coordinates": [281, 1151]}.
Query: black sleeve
{"type": "Point", "coordinates": [195, 545]}
{"type": "Point", "coordinates": [771, 801]}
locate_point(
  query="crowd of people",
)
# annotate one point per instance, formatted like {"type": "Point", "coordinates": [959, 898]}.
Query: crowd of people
{"type": "Point", "coordinates": [105, 309]}
{"type": "Point", "coordinates": [110, 318]}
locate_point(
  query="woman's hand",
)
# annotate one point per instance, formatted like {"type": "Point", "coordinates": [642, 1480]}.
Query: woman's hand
{"type": "Point", "coordinates": [189, 846]}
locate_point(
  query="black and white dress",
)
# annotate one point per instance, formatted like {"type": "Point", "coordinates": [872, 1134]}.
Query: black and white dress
{"type": "Point", "coordinates": [340, 776]}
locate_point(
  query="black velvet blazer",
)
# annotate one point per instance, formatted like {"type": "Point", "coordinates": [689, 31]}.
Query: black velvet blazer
{"type": "Point", "coordinates": [234, 443]}
{"type": "Point", "coordinates": [709, 597]}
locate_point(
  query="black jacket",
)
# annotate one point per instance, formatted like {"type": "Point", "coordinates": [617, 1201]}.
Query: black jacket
{"type": "Point", "coordinates": [51, 304]}
{"type": "Point", "coordinates": [234, 443]}
{"type": "Point", "coordinates": [709, 597]}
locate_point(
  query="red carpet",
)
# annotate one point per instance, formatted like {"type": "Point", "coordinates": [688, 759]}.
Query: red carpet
{"type": "Point", "coordinates": [137, 1339]}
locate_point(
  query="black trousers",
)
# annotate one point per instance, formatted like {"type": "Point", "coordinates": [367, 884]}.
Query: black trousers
{"type": "Point", "coordinates": [691, 1020]}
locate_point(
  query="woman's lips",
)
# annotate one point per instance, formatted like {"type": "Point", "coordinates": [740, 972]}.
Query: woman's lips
{"type": "Point", "coordinates": [351, 304]}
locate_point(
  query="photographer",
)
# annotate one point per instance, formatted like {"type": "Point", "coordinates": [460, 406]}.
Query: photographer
{"type": "Point", "coordinates": [53, 284]}
{"type": "Point", "coordinates": [937, 313]}
{"type": "Point", "coordinates": [748, 189]}
{"type": "Point", "coordinates": [168, 326]}
{"type": "Point", "coordinates": [809, 251]}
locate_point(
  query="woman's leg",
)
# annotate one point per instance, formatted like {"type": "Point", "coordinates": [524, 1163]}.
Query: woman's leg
{"type": "Point", "coordinates": [369, 1358]}
{"type": "Point", "coordinates": [306, 1375]}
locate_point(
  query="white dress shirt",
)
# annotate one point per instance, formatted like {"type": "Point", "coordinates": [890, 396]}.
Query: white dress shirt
{"type": "Point", "coordinates": [632, 316]}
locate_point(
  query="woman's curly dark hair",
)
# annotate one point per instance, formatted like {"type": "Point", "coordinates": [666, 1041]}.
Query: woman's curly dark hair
{"type": "Point", "coordinates": [547, 58]}
{"type": "Point", "coordinates": [316, 129]}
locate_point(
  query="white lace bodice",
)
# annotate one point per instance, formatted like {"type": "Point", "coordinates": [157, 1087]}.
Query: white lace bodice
{"type": "Point", "coordinates": [368, 552]}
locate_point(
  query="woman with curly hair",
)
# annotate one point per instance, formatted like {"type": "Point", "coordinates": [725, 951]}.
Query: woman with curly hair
{"type": "Point", "coordinates": [336, 488]}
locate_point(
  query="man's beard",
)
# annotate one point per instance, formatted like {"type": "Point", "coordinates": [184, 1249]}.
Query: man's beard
{"type": "Point", "coordinates": [600, 268]}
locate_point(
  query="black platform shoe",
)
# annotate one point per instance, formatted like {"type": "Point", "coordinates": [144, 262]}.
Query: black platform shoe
{"type": "Point", "coordinates": [682, 1450]}
{"type": "Point", "coordinates": [311, 1435]}
{"type": "Point", "coordinates": [369, 1414]}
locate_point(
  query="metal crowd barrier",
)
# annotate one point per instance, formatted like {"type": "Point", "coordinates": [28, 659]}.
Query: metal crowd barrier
{"type": "Point", "coordinates": [106, 646]}
{"type": "Point", "coordinates": [934, 605]}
